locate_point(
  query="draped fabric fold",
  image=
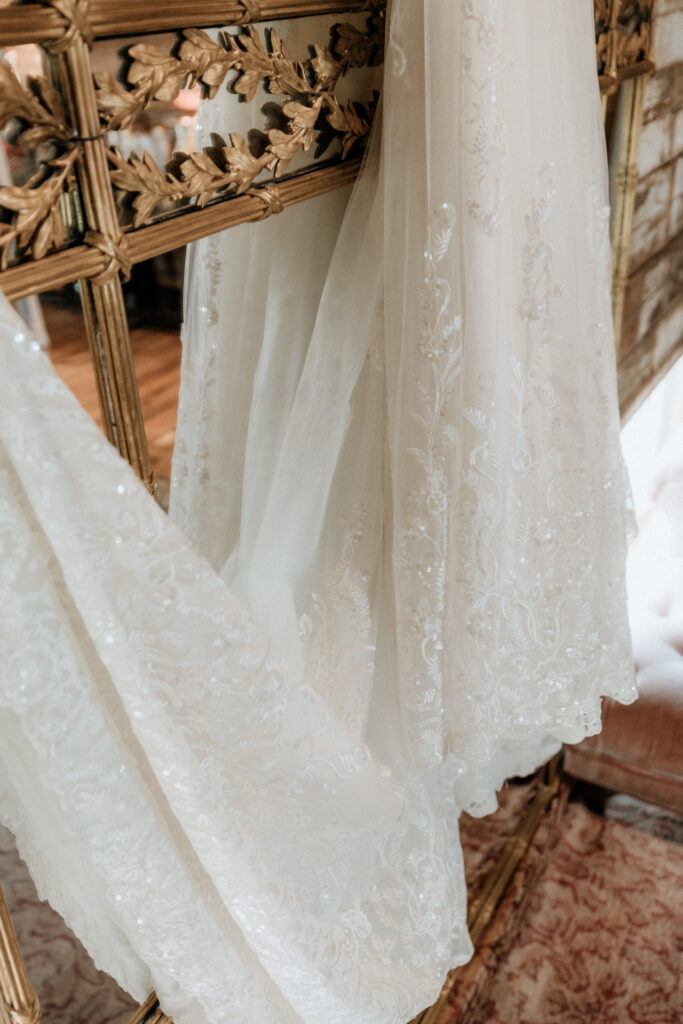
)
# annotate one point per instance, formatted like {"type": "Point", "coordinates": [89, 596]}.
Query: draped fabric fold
{"type": "Point", "coordinates": [193, 808]}
{"type": "Point", "coordinates": [395, 574]}
{"type": "Point", "coordinates": [431, 441]}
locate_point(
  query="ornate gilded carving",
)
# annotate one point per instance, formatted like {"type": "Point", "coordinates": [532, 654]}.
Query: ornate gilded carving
{"type": "Point", "coordinates": [37, 107]}
{"type": "Point", "coordinates": [603, 35]}
{"type": "Point", "coordinates": [30, 218]}
{"type": "Point", "coordinates": [270, 199]}
{"type": "Point", "coordinates": [311, 111]}
{"type": "Point", "coordinates": [116, 253]}
{"type": "Point", "coordinates": [252, 12]}
{"type": "Point", "coordinates": [18, 1001]}
{"type": "Point", "coordinates": [633, 32]}
{"type": "Point", "coordinates": [74, 16]}
{"type": "Point", "coordinates": [623, 33]}
{"type": "Point", "coordinates": [31, 222]}
{"type": "Point", "coordinates": [36, 225]}
{"type": "Point", "coordinates": [158, 75]}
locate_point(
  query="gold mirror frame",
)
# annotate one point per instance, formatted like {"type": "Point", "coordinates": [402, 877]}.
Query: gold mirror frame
{"type": "Point", "coordinates": [72, 110]}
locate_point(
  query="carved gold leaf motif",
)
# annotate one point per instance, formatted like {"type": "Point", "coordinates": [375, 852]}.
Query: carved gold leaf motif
{"type": "Point", "coordinates": [603, 25]}
{"type": "Point", "coordinates": [356, 49]}
{"type": "Point", "coordinates": [623, 34]}
{"type": "Point", "coordinates": [273, 66]}
{"type": "Point", "coordinates": [211, 61]}
{"type": "Point", "coordinates": [155, 74]}
{"type": "Point", "coordinates": [311, 113]}
{"type": "Point", "coordinates": [301, 124]}
{"type": "Point", "coordinates": [36, 223]}
{"type": "Point", "coordinates": [30, 217]}
{"type": "Point", "coordinates": [36, 107]}
{"type": "Point", "coordinates": [351, 122]}
{"type": "Point", "coordinates": [633, 31]}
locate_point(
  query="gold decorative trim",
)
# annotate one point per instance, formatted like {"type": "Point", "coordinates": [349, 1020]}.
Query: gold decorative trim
{"type": "Point", "coordinates": [36, 225]}
{"type": "Point", "coordinates": [270, 199]}
{"type": "Point", "coordinates": [82, 261]}
{"type": "Point", "coordinates": [149, 1013]}
{"type": "Point", "coordinates": [102, 299]}
{"type": "Point", "coordinates": [623, 40]}
{"type": "Point", "coordinates": [311, 112]}
{"type": "Point", "coordinates": [115, 252]}
{"type": "Point", "coordinates": [157, 74]}
{"type": "Point", "coordinates": [31, 221]}
{"type": "Point", "coordinates": [37, 107]}
{"type": "Point", "coordinates": [33, 23]}
{"type": "Point", "coordinates": [75, 24]}
{"type": "Point", "coordinates": [604, 23]}
{"type": "Point", "coordinates": [252, 12]}
{"type": "Point", "coordinates": [18, 1001]}
{"type": "Point", "coordinates": [623, 182]}
{"type": "Point", "coordinates": [633, 32]}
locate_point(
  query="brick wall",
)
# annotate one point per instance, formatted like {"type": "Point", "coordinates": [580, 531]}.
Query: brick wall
{"type": "Point", "coordinates": [652, 333]}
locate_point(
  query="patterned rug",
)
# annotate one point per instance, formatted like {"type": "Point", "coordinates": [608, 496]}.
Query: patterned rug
{"type": "Point", "coordinates": [599, 939]}
{"type": "Point", "coordinates": [601, 936]}
{"type": "Point", "coordinates": [70, 988]}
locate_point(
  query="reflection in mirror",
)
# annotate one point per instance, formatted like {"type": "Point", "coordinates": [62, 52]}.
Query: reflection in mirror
{"type": "Point", "coordinates": [153, 305]}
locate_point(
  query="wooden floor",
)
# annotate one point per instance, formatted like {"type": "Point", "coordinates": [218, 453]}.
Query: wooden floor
{"type": "Point", "coordinates": [157, 363]}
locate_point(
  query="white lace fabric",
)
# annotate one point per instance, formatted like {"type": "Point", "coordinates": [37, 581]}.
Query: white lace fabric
{"type": "Point", "coordinates": [234, 747]}
{"type": "Point", "coordinates": [433, 441]}
{"type": "Point", "coordinates": [223, 818]}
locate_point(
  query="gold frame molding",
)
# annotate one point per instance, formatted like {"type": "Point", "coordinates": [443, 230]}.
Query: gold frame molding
{"type": "Point", "coordinates": [18, 1001]}
{"type": "Point", "coordinates": [623, 184]}
{"type": "Point", "coordinates": [72, 109]}
{"type": "Point", "coordinates": [36, 23]}
{"type": "Point", "coordinates": [625, 41]}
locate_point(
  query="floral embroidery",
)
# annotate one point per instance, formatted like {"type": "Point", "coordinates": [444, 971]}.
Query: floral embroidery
{"type": "Point", "coordinates": [423, 542]}
{"type": "Point", "coordinates": [340, 626]}
{"type": "Point", "coordinates": [528, 604]}
{"type": "Point", "coordinates": [483, 133]}
{"type": "Point", "coordinates": [191, 464]}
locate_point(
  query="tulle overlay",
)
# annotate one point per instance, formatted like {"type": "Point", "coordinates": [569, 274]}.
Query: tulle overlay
{"type": "Point", "coordinates": [420, 427]}
{"type": "Point", "coordinates": [234, 747]}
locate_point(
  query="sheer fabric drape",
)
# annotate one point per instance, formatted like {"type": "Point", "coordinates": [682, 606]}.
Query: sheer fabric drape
{"type": "Point", "coordinates": [193, 808]}
{"type": "Point", "coordinates": [420, 428]}
{"type": "Point", "coordinates": [234, 747]}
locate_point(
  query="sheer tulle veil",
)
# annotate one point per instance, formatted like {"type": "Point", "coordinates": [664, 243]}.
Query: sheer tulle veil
{"type": "Point", "coordinates": [393, 574]}
{"type": "Point", "coordinates": [429, 446]}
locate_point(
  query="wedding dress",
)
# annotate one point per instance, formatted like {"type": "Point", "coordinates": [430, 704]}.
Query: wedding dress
{"type": "Point", "coordinates": [234, 747]}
